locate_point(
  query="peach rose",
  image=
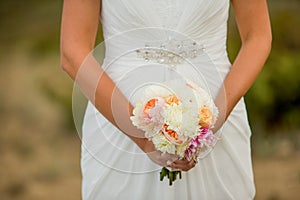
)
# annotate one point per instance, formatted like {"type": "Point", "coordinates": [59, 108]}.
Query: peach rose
{"type": "Point", "coordinates": [206, 117]}
{"type": "Point", "coordinates": [172, 99]}
{"type": "Point", "coordinates": [171, 135]}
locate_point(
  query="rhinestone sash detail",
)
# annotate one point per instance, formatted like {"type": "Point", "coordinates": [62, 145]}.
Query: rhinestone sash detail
{"type": "Point", "coordinates": [171, 52]}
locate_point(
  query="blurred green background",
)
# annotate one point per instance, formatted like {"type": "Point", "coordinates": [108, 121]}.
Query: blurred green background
{"type": "Point", "coordinates": [39, 146]}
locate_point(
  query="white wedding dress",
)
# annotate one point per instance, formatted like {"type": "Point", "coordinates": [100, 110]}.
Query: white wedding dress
{"type": "Point", "coordinates": [113, 167]}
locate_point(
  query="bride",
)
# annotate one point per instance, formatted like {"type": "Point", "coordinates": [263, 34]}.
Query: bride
{"type": "Point", "coordinates": [118, 162]}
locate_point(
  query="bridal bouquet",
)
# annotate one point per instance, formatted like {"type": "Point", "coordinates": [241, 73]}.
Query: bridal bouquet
{"type": "Point", "coordinates": [177, 120]}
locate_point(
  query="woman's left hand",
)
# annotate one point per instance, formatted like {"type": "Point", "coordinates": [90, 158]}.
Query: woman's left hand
{"type": "Point", "coordinates": [183, 165]}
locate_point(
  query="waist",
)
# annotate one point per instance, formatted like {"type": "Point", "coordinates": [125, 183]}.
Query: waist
{"type": "Point", "coordinates": [144, 54]}
{"type": "Point", "coordinates": [164, 46]}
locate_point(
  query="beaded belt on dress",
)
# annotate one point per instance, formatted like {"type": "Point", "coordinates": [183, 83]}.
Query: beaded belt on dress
{"type": "Point", "coordinates": [171, 52]}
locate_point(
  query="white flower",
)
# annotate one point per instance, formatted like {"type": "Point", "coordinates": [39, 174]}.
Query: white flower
{"type": "Point", "coordinates": [162, 144]}
{"type": "Point", "coordinates": [173, 116]}
{"type": "Point", "coordinates": [174, 106]}
{"type": "Point", "coordinates": [137, 112]}
{"type": "Point", "coordinates": [190, 123]}
{"type": "Point", "coordinates": [180, 149]}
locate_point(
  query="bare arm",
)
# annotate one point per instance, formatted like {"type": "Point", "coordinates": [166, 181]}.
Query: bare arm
{"type": "Point", "coordinates": [78, 32]}
{"type": "Point", "coordinates": [254, 26]}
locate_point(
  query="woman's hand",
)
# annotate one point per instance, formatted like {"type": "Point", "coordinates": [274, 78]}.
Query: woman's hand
{"type": "Point", "coordinates": [183, 164]}
{"type": "Point", "coordinates": [166, 159]}
{"type": "Point", "coordinates": [158, 157]}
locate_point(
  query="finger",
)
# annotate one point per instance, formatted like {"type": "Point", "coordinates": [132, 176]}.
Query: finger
{"type": "Point", "coordinates": [182, 162]}
{"type": "Point", "coordinates": [169, 162]}
{"type": "Point", "coordinates": [183, 166]}
{"type": "Point", "coordinates": [161, 159]}
{"type": "Point", "coordinates": [171, 157]}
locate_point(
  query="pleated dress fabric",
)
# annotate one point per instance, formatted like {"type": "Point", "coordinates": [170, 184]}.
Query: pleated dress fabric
{"type": "Point", "coordinates": [113, 167]}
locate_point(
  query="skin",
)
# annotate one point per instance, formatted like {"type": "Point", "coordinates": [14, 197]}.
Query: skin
{"type": "Point", "coordinates": [78, 34]}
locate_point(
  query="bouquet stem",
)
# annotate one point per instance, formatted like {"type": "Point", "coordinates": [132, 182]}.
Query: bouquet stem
{"type": "Point", "coordinates": [171, 175]}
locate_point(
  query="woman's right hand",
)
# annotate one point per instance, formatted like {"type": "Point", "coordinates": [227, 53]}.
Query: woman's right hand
{"type": "Point", "coordinates": [158, 157]}
{"type": "Point", "coordinates": [166, 159]}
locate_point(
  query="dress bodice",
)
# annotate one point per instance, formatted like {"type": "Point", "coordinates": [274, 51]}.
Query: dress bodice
{"type": "Point", "coordinates": [201, 20]}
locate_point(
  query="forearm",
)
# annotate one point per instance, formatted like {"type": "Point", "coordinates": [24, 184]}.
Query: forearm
{"type": "Point", "coordinates": [103, 93]}
{"type": "Point", "coordinates": [242, 74]}
{"type": "Point", "coordinates": [78, 34]}
{"type": "Point", "coordinates": [256, 39]}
